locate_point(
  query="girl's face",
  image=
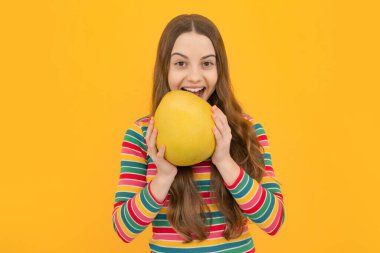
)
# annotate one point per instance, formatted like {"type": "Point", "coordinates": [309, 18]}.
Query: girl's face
{"type": "Point", "coordinates": [193, 65]}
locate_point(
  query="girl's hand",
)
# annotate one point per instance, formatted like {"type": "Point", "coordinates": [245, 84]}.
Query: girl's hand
{"type": "Point", "coordinates": [222, 133]}
{"type": "Point", "coordinates": [164, 167]}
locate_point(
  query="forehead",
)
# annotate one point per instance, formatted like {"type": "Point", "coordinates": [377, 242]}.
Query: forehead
{"type": "Point", "coordinates": [193, 45]}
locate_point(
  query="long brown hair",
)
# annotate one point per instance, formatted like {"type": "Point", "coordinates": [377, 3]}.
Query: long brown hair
{"type": "Point", "coordinates": [186, 209]}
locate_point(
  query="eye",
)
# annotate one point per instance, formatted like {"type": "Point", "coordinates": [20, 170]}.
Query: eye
{"type": "Point", "coordinates": [180, 63]}
{"type": "Point", "coordinates": [208, 64]}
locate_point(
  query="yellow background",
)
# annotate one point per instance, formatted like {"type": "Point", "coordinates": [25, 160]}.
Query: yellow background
{"type": "Point", "coordinates": [76, 74]}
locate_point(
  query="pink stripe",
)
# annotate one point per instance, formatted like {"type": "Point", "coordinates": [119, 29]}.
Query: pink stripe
{"type": "Point", "coordinates": [264, 143]}
{"type": "Point", "coordinates": [131, 151]}
{"type": "Point", "coordinates": [146, 119]}
{"type": "Point", "coordinates": [254, 200]}
{"type": "Point", "coordinates": [177, 237]}
{"type": "Point", "coordinates": [279, 196]}
{"type": "Point", "coordinates": [132, 182]}
{"type": "Point", "coordinates": [201, 169]}
{"type": "Point", "coordinates": [275, 230]}
{"type": "Point", "coordinates": [151, 172]}
{"type": "Point", "coordinates": [120, 232]}
{"type": "Point", "coordinates": [137, 212]}
{"type": "Point", "coordinates": [268, 174]}
{"type": "Point", "coordinates": [274, 224]}
{"type": "Point", "coordinates": [208, 200]}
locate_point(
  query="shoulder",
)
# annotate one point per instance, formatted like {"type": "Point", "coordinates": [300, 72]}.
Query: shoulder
{"type": "Point", "coordinates": [258, 127]}
{"type": "Point", "coordinates": [139, 126]}
{"type": "Point", "coordinates": [143, 121]}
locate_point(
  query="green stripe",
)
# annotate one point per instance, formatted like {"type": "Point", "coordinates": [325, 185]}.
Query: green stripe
{"type": "Point", "coordinates": [203, 188]}
{"type": "Point", "coordinates": [150, 199]}
{"type": "Point", "coordinates": [237, 191]}
{"type": "Point", "coordinates": [131, 134]}
{"type": "Point", "coordinates": [141, 171]}
{"type": "Point", "coordinates": [126, 216]}
{"type": "Point", "coordinates": [267, 162]}
{"type": "Point", "coordinates": [265, 205]}
{"type": "Point", "coordinates": [128, 164]}
{"type": "Point", "coordinates": [260, 131]}
{"type": "Point", "coordinates": [124, 195]}
{"type": "Point", "coordinates": [272, 187]}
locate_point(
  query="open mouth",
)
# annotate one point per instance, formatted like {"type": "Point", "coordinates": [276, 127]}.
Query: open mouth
{"type": "Point", "coordinates": [196, 91]}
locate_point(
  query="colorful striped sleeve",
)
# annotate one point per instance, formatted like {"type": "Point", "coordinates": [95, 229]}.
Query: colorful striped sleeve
{"type": "Point", "coordinates": [134, 206]}
{"type": "Point", "coordinates": [261, 202]}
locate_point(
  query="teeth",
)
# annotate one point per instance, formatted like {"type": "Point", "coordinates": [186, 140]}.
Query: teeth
{"type": "Point", "coordinates": [192, 90]}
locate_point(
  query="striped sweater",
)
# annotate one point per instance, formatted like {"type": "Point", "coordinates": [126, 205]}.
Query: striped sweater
{"type": "Point", "coordinates": [135, 207]}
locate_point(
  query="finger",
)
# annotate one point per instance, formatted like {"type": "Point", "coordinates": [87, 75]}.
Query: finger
{"type": "Point", "coordinates": [217, 134]}
{"type": "Point", "coordinates": [219, 114]}
{"type": "Point", "coordinates": [152, 139]}
{"type": "Point", "coordinates": [148, 139]}
{"type": "Point", "coordinates": [219, 124]}
{"type": "Point", "coordinates": [222, 124]}
{"type": "Point", "coordinates": [222, 115]}
{"type": "Point", "coordinates": [161, 152]}
{"type": "Point", "coordinates": [152, 144]}
{"type": "Point", "coordinates": [149, 130]}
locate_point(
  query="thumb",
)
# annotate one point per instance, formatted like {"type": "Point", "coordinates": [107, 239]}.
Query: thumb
{"type": "Point", "coordinates": [162, 151]}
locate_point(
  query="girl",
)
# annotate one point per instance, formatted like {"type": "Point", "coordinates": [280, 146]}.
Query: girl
{"type": "Point", "coordinates": [204, 207]}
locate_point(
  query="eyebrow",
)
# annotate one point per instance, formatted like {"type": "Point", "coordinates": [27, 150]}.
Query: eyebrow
{"type": "Point", "coordinates": [184, 56]}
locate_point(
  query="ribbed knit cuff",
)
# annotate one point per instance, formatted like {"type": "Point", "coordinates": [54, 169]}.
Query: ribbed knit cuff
{"type": "Point", "coordinates": [152, 196]}
{"type": "Point", "coordinates": [237, 181]}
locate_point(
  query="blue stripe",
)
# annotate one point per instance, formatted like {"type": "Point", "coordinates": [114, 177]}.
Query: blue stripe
{"type": "Point", "coordinates": [270, 185]}
{"type": "Point", "coordinates": [246, 188]}
{"type": "Point", "coordinates": [130, 228]}
{"type": "Point", "coordinates": [268, 211]}
{"type": "Point", "coordinates": [124, 163]}
{"type": "Point", "coordinates": [131, 133]}
{"type": "Point", "coordinates": [203, 182]}
{"type": "Point", "coordinates": [145, 202]}
{"type": "Point", "coordinates": [205, 249]}
{"type": "Point", "coordinates": [126, 195]}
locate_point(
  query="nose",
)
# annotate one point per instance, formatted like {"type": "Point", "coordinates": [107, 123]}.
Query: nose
{"type": "Point", "coordinates": [194, 75]}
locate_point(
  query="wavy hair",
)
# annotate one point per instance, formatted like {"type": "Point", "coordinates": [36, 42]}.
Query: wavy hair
{"type": "Point", "coordinates": [186, 209]}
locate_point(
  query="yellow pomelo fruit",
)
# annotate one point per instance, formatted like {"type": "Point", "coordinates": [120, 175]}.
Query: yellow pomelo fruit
{"type": "Point", "coordinates": [184, 123]}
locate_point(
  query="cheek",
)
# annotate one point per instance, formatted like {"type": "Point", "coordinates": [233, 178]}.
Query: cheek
{"type": "Point", "coordinates": [174, 79]}
{"type": "Point", "coordinates": [212, 78]}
